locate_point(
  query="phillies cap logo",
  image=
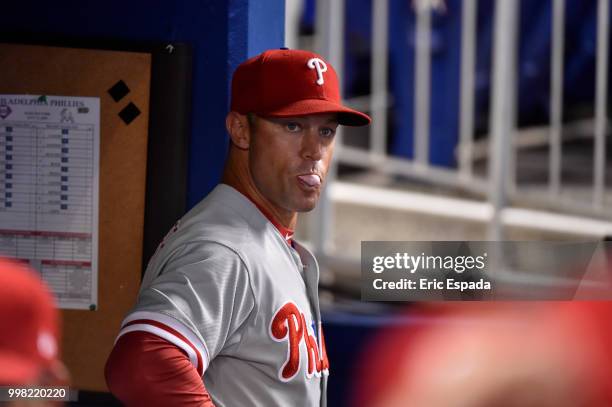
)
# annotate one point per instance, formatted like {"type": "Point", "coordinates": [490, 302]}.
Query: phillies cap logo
{"type": "Point", "coordinates": [320, 66]}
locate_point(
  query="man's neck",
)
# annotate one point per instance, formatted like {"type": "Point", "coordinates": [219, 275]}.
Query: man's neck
{"type": "Point", "coordinates": [238, 177]}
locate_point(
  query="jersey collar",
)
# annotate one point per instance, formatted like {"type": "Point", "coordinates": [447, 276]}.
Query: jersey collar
{"type": "Point", "coordinates": [286, 233]}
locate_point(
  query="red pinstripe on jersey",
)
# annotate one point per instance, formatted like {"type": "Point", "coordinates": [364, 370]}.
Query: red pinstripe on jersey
{"type": "Point", "coordinates": [171, 330]}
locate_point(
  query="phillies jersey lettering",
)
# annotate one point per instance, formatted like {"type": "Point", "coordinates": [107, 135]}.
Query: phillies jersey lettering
{"type": "Point", "coordinates": [289, 325]}
{"type": "Point", "coordinates": [227, 289]}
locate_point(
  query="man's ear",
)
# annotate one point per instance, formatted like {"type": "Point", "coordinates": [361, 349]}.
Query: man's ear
{"type": "Point", "coordinates": [238, 128]}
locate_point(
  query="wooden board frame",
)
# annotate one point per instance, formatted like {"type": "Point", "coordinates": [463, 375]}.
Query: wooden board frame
{"type": "Point", "coordinates": [135, 209]}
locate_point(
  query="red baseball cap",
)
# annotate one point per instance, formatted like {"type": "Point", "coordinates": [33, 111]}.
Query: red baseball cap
{"type": "Point", "coordinates": [286, 83]}
{"type": "Point", "coordinates": [30, 325]}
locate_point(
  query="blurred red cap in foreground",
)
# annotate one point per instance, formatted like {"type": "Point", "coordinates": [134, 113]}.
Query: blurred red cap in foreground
{"type": "Point", "coordinates": [29, 323]}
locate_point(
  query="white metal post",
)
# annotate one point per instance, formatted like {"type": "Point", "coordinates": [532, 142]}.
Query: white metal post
{"type": "Point", "coordinates": [601, 89]}
{"type": "Point", "coordinates": [330, 44]}
{"type": "Point", "coordinates": [378, 78]}
{"type": "Point", "coordinates": [422, 82]}
{"type": "Point", "coordinates": [468, 63]}
{"type": "Point", "coordinates": [556, 97]}
{"type": "Point", "coordinates": [502, 111]}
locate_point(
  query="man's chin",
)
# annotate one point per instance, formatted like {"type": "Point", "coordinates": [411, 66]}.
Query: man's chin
{"type": "Point", "coordinates": [307, 205]}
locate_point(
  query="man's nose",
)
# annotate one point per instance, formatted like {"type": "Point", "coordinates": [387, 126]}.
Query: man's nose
{"type": "Point", "coordinates": [312, 146]}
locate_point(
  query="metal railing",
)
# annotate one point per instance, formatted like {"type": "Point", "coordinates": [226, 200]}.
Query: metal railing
{"type": "Point", "coordinates": [499, 186]}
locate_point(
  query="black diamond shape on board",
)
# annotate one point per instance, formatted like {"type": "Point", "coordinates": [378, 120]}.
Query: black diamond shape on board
{"type": "Point", "coordinates": [118, 91]}
{"type": "Point", "coordinates": [129, 113]}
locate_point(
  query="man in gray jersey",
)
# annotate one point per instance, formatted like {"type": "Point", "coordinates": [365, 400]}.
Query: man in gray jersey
{"type": "Point", "coordinates": [228, 312]}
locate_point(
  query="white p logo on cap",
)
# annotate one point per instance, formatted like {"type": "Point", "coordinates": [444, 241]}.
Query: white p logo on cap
{"type": "Point", "coordinates": [320, 66]}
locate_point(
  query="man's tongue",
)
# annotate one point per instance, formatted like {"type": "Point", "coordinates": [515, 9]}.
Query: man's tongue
{"type": "Point", "coordinates": [310, 180]}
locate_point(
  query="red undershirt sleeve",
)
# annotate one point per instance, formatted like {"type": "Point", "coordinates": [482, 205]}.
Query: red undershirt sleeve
{"type": "Point", "coordinates": [146, 370]}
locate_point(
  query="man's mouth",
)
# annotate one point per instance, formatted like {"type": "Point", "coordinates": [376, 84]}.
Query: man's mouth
{"type": "Point", "coordinates": [311, 180]}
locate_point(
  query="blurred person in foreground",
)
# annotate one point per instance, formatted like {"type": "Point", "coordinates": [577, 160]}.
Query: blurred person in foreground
{"type": "Point", "coordinates": [556, 354]}
{"type": "Point", "coordinates": [29, 354]}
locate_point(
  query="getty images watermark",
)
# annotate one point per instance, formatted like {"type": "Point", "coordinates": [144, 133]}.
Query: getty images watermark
{"type": "Point", "coordinates": [429, 271]}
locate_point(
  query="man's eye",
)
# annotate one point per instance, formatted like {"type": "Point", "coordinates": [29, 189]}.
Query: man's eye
{"type": "Point", "coordinates": [293, 127]}
{"type": "Point", "coordinates": [327, 132]}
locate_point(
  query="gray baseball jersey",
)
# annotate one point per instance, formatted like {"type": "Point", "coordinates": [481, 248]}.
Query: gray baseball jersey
{"type": "Point", "coordinates": [225, 287]}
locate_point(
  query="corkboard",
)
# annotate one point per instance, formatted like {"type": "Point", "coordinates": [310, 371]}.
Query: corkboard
{"type": "Point", "coordinates": [88, 336]}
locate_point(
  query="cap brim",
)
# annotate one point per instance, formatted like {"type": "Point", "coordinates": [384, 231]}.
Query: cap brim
{"type": "Point", "coordinates": [15, 370]}
{"type": "Point", "coordinates": [346, 116]}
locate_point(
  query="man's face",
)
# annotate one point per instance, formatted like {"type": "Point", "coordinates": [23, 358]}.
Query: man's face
{"type": "Point", "coordinates": [289, 158]}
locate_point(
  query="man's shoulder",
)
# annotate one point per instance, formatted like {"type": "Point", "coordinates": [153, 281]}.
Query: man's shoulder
{"type": "Point", "coordinates": [225, 230]}
{"type": "Point", "coordinates": [224, 216]}
{"type": "Point", "coordinates": [229, 218]}
{"type": "Point", "coordinates": [225, 223]}
{"type": "Point", "coordinates": [197, 260]}
{"type": "Point", "coordinates": [222, 206]}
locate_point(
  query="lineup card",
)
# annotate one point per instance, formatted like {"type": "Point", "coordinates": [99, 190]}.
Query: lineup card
{"type": "Point", "coordinates": [49, 177]}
